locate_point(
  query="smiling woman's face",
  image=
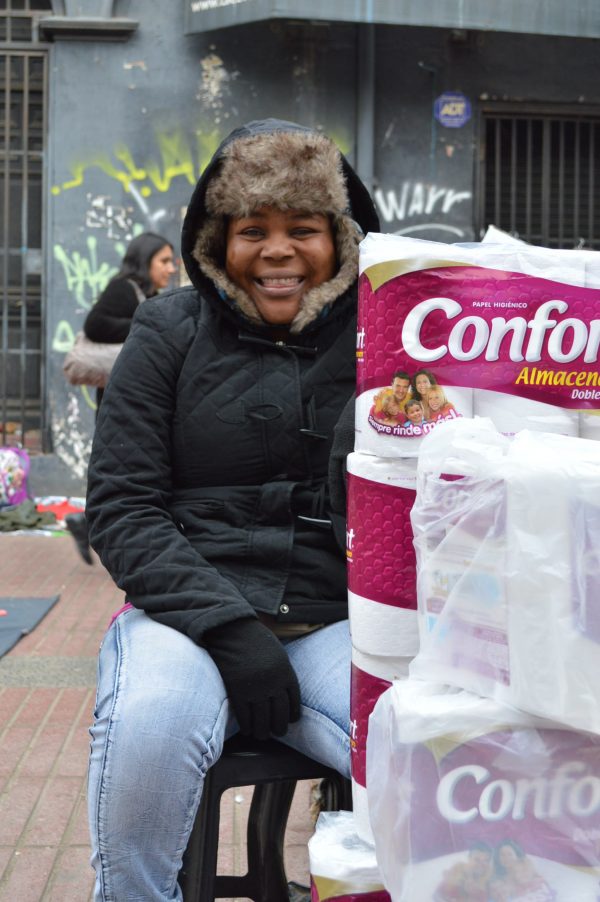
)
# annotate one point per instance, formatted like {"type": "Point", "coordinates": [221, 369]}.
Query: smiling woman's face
{"type": "Point", "coordinates": [422, 383]}
{"type": "Point", "coordinates": [161, 267]}
{"type": "Point", "coordinates": [277, 257]}
{"type": "Point", "coordinates": [435, 399]}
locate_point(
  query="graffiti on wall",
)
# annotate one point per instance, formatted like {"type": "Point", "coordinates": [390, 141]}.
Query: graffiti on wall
{"type": "Point", "coordinates": [176, 155]}
{"type": "Point", "coordinates": [144, 177]}
{"type": "Point", "coordinates": [86, 276]}
{"type": "Point", "coordinates": [405, 209]}
{"type": "Point", "coordinates": [116, 220]}
{"type": "Point", "coordinates": [72, 441]}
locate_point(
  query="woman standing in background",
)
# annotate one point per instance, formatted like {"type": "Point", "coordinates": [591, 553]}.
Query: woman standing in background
{"type": "Point", "coordinates": [145, 270]}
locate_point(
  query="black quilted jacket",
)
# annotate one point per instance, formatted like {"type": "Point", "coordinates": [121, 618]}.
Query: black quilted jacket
{"type": "Point", "coordinates": [207, 492]}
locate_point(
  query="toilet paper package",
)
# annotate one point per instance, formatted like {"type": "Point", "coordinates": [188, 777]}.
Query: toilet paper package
{"type": "Point", "coordinates": [380, 553]}
{"type": "Point", "coordinates": [507, 534]}
{"type": "Point", "coordinates": [500, 330]}
{"type": "Point", "coordinates": [370, 676]}
{"type": "Point", "coordinates": [472, 799]}
{"type": "Point", "coordinates": [342, 867]}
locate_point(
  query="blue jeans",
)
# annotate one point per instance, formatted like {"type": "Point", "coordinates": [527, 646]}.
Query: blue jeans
{"type": "Point", "coordinates": [161, 718]}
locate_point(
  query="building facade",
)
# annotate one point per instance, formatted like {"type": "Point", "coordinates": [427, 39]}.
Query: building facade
{"type": "Point", "coordinates": [464, 114]}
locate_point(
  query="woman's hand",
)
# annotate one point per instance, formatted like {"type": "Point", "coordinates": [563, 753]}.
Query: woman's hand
{"type": "Point", "coordinates": [260, 681]}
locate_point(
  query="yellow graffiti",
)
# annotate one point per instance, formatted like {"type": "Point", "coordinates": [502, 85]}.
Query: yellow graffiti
{"type": "Point", "coordinates": [85, 391]}
{"type": "Point", "coordinates": [63, 337]}
{"type": "Point", "coordinates": [84, 276]}
{"type": "Point", "coordinates": [176, 157]}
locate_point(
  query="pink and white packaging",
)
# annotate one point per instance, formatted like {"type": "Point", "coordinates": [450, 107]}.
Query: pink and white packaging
{"type": "Point", "coordinates": [374, 436]}
{"type": "Point", "coordinates": [371, 675]}
{"type": "Point", "coordinates": [342, 867]}
{"type": "Point", "coordinates": [507, 534]}
{"type": "Point", "coordinates": [472, 799]}
{"type": "Point", "coordinates": [382, 596]}
{"type": "Point", "coordinates": [509, 331]}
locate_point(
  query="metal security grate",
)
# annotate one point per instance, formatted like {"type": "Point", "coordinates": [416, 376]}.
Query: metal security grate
{"type": "Point", "coordinates": [540, 177]}
{"type": "Point", "coordinates": [18, 19]}
{"type": "Point", "coordinates": [22, 141]}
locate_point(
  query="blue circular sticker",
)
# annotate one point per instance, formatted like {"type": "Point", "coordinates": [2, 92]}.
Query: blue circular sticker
{"type": "Point", "coordinates": [452, 110]}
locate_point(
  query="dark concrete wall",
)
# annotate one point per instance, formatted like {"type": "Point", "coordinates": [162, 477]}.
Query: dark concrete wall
{"type": "Point", "coordinates": [132, 124]}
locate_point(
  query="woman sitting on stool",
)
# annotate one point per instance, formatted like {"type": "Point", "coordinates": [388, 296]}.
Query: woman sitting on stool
{"type": "Point", "coordinates": [208, 500]}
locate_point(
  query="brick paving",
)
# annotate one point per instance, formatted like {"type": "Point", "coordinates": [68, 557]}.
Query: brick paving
{"type": "Point", "coordinates": [46, 699]}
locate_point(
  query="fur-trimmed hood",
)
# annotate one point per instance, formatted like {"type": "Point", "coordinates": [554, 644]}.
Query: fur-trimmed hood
{"type": "Point", "coordinates": [313, 175]}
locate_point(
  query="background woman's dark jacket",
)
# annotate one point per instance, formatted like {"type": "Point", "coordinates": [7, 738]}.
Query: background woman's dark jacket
{"type": "Point", "coordinates": [208, 495]}
{"type": "Point", "coordinates": [109, 320]}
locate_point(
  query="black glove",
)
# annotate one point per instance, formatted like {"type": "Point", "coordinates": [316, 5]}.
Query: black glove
{"type": "Point", "coordinates": [260, 681]}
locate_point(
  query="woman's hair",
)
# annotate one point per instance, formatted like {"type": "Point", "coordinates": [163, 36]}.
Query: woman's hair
{"type": "Point", "coordinates": [386, 401]}
{"type": "Point", "coordinates": [135, 265]}
{"type": "Point", "coordinates": [500, 869]}
{"type": "Point", "coordinates": [413, 382]}
{"type": "Point", "coordinates": [438, 390]}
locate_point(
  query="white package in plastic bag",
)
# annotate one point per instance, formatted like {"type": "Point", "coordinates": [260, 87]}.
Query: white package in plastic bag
{"type": "Point", "coordinates": [507, 537]}
{"type": "Point", "coordinates": [472, 800]}
{"type": "Point", "coordinates": [342, 866]}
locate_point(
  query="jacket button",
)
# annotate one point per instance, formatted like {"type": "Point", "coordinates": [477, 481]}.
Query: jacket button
{"type": "Point", "coordinates": [284, 608]}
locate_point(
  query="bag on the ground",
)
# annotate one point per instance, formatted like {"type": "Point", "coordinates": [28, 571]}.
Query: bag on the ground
{"type": "Point", "coordinates": [14, 470]}
{"type": "Point", "coordinates": [90, 362]}
{"type": "Point", "coordinates": [17, 517]}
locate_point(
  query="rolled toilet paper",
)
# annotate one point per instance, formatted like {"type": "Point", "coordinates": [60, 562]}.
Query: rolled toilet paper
{"type": "Point", "coordinates": [511, 414]}
{"type": "Point", "coordinates": [382, 629]}
{"type": "Point", "coordinates": [381, 555]}
{"type": "Point", "coordinates": [589, 424]}
{"type": "Point", "coordinates": [371, 675]}
{"type": "Point", "coordinates": [342, 865]}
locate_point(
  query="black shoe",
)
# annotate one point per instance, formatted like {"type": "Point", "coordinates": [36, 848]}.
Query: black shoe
{"type": "Point", "coordinates": [77, 526]}
{"type": "Point", "coordinates": [298, 893]}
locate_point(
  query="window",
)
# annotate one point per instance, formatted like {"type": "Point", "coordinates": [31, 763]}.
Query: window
{"type": "Point", "coordinates": [22, 144]}
{"type": "Point", "coordinates": [540, 177]}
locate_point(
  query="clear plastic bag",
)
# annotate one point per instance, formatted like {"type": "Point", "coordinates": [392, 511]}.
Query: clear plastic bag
{"type": "Point", "coordinates": [507, 538]}
{"type": "Point", "coordinates": [472, 800]}
{"type": "Point", "coordinates": [342, 866]}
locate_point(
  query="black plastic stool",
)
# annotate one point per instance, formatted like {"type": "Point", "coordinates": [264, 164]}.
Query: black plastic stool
{"type": "Point", "coordinates": [273, 769]}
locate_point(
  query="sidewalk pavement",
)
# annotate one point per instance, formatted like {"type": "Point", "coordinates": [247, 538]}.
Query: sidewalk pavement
{"type": "Point", "coordinates": [46, 700]}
